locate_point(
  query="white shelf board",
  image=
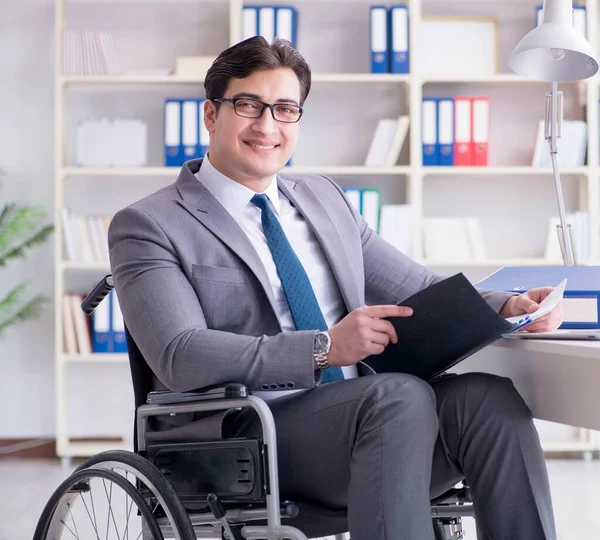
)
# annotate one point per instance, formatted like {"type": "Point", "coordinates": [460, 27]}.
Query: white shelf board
{"type": "Point", "coordinates": [69, 80]}
{"type": "Point", "coordinates": [360, 78]}
{"type": "Point", "coordinates": [492, 263]}
{"type": "Point", "coordinates": [90, 448]}
{"type": "Point", "coordinates": [96, 357]}
{"type": "Point", "coordinates": [494, 78]}
{"type": "Point", "coordinates": [349, 170]}
{"type": "Point", "coordinates": [495, 171]}
{"type": "Point", "coordinates": [174, 171]}
{"type": "Point", "coordinates": [80, 265]}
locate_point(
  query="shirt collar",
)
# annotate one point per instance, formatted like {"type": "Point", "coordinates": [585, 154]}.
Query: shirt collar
{"type": "Point", "coordinates": [232, 195]}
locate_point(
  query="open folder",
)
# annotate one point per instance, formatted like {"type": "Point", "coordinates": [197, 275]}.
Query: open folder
{"type": "Point", "coordinates": [451, 321]}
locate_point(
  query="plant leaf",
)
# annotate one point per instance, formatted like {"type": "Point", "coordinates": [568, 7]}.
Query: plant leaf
{"type": "Point", "coordinates": [19, 221]}
{"type": "Point", "coordinates": [11, 299]}
{"type": "Point", "coordinates": [26, 312]}
{"type": "Point", "coordinates": [19, 250]}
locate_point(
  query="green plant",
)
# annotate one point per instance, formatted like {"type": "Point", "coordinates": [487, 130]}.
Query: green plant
{"type": "Point", "coordinates": [21, 228]}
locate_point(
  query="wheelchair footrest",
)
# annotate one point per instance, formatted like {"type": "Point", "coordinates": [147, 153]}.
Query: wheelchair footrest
{"type": "Point", "coordinates": [232, 469]}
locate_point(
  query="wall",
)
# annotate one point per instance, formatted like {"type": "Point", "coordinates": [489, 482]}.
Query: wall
{"type": "Point", "coordinates": [149, 35]}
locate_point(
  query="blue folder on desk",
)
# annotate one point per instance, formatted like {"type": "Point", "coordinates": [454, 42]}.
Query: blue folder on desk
{"type": "Point", "coordinates": [581, 299]}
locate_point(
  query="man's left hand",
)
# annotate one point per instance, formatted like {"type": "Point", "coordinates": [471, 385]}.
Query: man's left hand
{"type": "Point", "coordinates": [528, 302]}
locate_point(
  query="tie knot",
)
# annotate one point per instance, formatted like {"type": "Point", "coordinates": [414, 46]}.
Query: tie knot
{"type": "Point", "coordinates": [260, 200]}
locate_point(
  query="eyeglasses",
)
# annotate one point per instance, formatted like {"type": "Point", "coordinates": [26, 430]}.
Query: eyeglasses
{"type": "Point", "coordinates": [252, 108]}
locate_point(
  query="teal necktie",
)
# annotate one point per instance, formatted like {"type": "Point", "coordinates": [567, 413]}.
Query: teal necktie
{"type": "Point", "coordinates": [298, 291]}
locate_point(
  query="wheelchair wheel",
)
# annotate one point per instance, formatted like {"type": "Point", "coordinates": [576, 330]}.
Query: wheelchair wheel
{"type": "Point", "coordinates": [87, 506]}
{"type": "Point", "coordinates": [166, 506]}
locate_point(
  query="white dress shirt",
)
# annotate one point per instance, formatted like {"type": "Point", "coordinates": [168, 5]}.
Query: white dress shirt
{"type": "Point", "coordinates": [235, 198]}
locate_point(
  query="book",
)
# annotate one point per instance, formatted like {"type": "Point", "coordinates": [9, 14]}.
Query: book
{"type": "Point", "coordinates": [451, 321]}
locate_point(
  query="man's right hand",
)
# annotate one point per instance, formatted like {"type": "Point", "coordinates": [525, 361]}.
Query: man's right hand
{"type": "Point", "coordinates": [362, 333]}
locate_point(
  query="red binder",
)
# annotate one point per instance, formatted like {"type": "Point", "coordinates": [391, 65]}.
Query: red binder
{"type": "Point", "coordinates": [463, 125]}
{"type": "Point", "coordinates": [480, 112]}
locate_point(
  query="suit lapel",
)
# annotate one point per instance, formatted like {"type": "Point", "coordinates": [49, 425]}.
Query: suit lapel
{"type": "Point", "coordinates": [201, 204]}
{"type": "Point", "coordinates": [308, 204]}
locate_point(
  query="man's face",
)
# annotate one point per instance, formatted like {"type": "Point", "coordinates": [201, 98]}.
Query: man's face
{"type": "Point", "coordinates": [252, 150]}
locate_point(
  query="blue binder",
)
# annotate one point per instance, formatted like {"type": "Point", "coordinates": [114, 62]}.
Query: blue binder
{"type": "Point", "coordinates": [286, 24]}
{"type": "Point", "coordinates": [203, 135]}
{"type": "Point", "coordinates": [190, 132]}
{"type": "Point", "coordinates": [581, 299]}
{"type": "Point", "coordinates": [117, 325]}
{"type": "Point", "coordinates": [429, 132]}
{"type": "Point", "coordinates": [445, 131]}
{"type": "Point", "coordinates": [379, 39]}
{"type": "Point", "coordinates": [172, 133]}
{"type": "Point", "coordinates": [101, 334]}
{"type": "Point", "coordinates": [399, 39]}
{"type": "Point", "coordinates": [249, 22]}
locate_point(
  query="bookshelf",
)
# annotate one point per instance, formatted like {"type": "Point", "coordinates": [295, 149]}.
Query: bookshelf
{"type": "Point", "coordinates": [329, 24]}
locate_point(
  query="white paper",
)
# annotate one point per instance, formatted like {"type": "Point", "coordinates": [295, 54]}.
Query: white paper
{"type": "Point", "coordinates": [545, 306]}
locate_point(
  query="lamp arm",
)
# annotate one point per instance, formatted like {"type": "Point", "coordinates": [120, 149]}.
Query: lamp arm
{"type": "Point", "coordinates": [554, 122]}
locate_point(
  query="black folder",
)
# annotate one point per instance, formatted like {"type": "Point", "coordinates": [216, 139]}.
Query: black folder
{"type": "Point", "coordinates": [451, 321]}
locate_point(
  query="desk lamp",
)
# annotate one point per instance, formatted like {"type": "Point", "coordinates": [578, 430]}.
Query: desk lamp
{"type": "Point", "coordinates": [555, 52]}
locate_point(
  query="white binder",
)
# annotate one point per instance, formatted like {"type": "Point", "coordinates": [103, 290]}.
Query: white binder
{"type": "Point", "coordinates": [266, 23]}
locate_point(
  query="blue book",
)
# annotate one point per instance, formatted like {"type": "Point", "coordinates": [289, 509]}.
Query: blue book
{"type": "Point", "coordinates": [203, 135]}
{"type": "Point", "coordinates": [117, 325]}
{"type": "Point", "coordinates": [581, 299]}
{"type": "Point", "coordinates": [445, 132]}
{"type": "Point", "coordinates": [429, 132]}
{"type": "Point", "coordinates": [379, 39]}
{"type": "Point", "coordinates": [399, 39]}
{"type": "Point", "coordinates": [172, 133]}
{"type": "Point", "coordinates": [286, 24]}
{"type": "Point", "coordinates": [190, 132]}
{"type": "Point", "coordinates": [101, 334]}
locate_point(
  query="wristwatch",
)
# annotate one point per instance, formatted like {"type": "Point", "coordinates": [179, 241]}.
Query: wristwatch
{"type": "Point", "coordinates": [321, 348]}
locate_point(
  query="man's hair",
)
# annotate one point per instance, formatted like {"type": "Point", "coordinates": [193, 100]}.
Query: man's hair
{"type": "Point", "coordinates": [251, 55]}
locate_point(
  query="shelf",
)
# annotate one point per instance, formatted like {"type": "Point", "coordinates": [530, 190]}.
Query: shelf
{"type": "Point", "coordinates": [80, 265]}
{"type": "Point", "coordinates": [491, 263]}
{"type": "Point", "coordinates": [174, 171]}
{"type": "Point", "coordinates": [90, 448]}
{"type": "Point", "coordinates": [360, 78]}
{"type": "Point", "coordinates": [483, 171]}
{"type": "Point", "coordinates": [111, 358]}
{"type": "Point", "coordinates": [73, 80]}
{"type": "Point", "coordinates": [346, 170]}
{"type": "Point", "coordinates": [486, 79]}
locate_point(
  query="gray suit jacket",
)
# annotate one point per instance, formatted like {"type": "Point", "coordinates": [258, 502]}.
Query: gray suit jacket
{"type": "Point", "coordinates": [196, 297]}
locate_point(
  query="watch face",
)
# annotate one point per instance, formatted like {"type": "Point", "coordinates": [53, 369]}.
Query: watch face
{"type": "Point", "coordinates": [322, 342]}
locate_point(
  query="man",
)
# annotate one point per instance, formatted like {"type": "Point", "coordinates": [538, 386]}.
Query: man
{"type": "Point", "coordinates": [235, 272]}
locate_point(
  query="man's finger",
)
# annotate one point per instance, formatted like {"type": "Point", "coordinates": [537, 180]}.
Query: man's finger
{"type": "Point", "coordinates": [387, 311]}
{"type": "Point", "coordinates": [527, 304]}
{"type": "Point", "coordinates": [385, 327]}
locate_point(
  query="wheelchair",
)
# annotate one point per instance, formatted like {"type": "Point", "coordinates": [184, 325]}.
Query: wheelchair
{"type": "Point", "coordinates": [226, 488]}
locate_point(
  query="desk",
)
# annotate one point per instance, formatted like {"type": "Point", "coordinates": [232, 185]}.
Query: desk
{"type": "Point", "coordinates": [559, 380]}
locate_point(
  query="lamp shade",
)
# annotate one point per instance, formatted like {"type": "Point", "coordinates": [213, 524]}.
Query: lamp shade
{"type": "Point", "coordinates": [554, 51]}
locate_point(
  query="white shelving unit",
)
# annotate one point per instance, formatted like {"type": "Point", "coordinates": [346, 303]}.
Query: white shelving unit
{"type": "Point", "coordinates": [413, 179]}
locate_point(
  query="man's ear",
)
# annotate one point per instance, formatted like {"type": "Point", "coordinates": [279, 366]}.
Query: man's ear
{"type": "Point", "coordinates": [210, 115]}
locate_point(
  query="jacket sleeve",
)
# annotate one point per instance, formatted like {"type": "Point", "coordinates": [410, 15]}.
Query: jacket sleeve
{"type": "Point", "coordinates": [165, 319]}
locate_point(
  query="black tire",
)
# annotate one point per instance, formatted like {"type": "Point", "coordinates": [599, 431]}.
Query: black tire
{"type": "Point", "coordinates": [80, 476]}
{"type": "Point", "coordinates": [180, 520]}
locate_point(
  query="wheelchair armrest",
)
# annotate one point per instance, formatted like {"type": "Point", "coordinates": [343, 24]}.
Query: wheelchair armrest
{"type": "Point", "coordinates": [229, 391]}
